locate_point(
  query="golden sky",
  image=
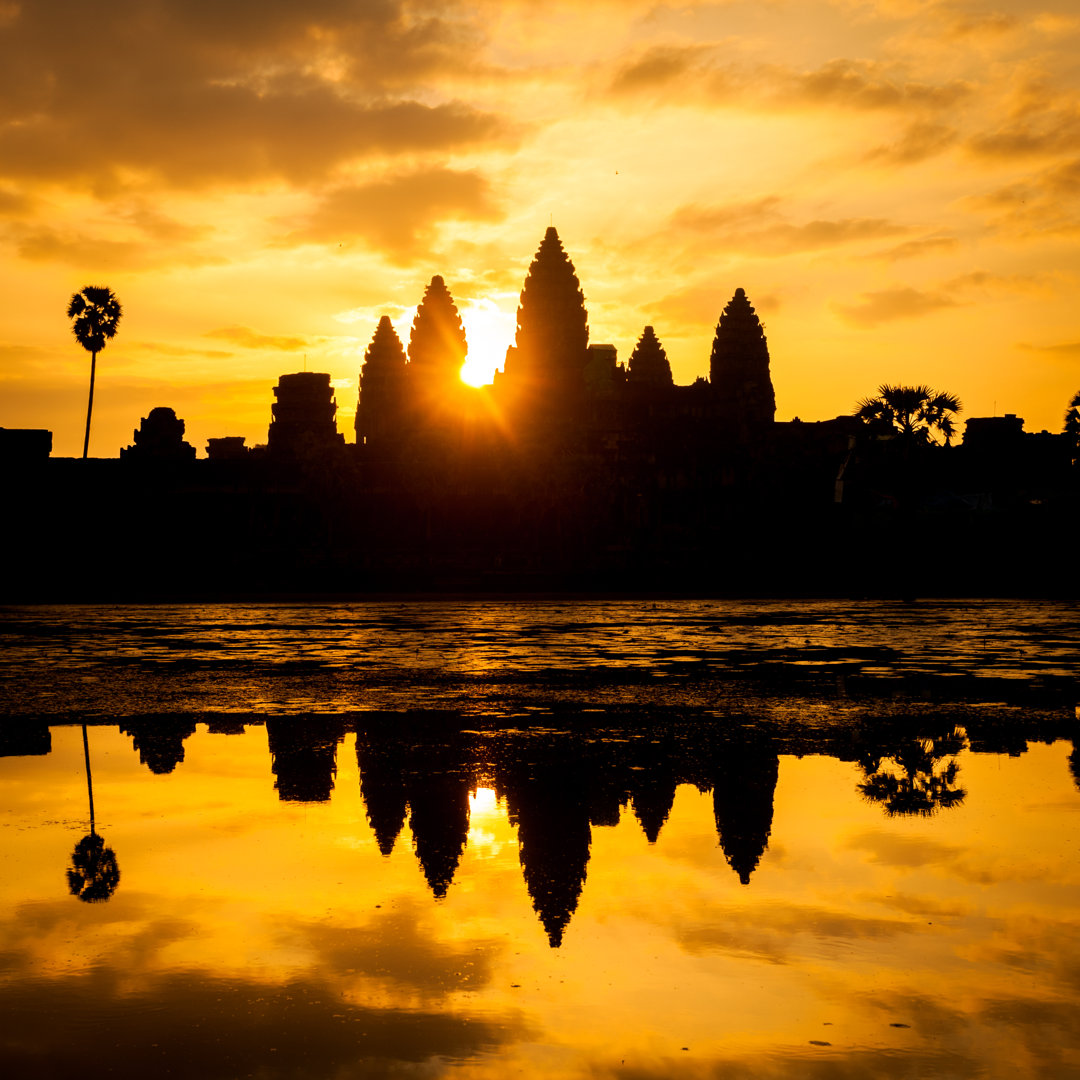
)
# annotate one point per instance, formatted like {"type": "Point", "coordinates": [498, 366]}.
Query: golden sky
{"type": "Point", "coordinates": [895, 183]}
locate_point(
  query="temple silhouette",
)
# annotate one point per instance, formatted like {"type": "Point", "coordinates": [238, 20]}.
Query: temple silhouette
{"type": "Point", "coordinates": [572, 470]}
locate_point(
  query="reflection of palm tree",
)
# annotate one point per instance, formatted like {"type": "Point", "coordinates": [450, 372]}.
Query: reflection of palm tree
{"type": "Point", "coordinates": [96, 312]}
{"type": "Point", "coordinates": [94, 872]}
{"type": "Point", "coordinates": [915, 785]}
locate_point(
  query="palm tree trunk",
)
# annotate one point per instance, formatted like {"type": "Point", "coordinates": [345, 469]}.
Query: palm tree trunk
{"type": "Point", "coordinates": [89, 782]}
{"type": "Point", "coordinates": [89, 405]}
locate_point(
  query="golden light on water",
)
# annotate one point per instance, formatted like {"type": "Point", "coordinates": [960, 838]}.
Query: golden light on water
{"type": "Point", "coordinates": [860, 938]}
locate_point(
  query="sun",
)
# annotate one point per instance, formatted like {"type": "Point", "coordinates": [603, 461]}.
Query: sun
{"type": "Point", "coordinates": [489, 331]}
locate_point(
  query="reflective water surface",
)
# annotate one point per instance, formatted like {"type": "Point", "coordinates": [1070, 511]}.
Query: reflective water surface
{"type": "Point", "coordinates": [858, 856]}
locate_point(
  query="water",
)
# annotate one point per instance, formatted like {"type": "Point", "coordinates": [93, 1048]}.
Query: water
{"type": "Point", "coordinates": [525, 839]}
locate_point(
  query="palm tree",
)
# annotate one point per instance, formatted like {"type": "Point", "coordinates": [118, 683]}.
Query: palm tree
{"type": "Point", "coordinates": [915, 413]}
{"type": "Point", "coordinates": [96, 312]}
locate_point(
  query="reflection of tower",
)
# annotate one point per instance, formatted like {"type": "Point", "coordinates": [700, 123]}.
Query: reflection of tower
{"type": "Point", "coordinates": [303, 755]}
{"type": "Point", "coordinates": [739, 369]}
{"type": "Point", "coordinates": [160, 742]}
{"type": "Point", "coordinates": [743, 787]}
{"type": "Point", "coordinates": [653, 792]}
{"type": "Point", "coordinates": [551, 809]}
{"type": "Point", "coordinates": [382, 787]}
{"type": "Point", "coordinates": [548, 358]}
{"type": "Point", "coordinates": [439, 820]}
{"type": "Point", "coordinates": [1074, 763]}
{"type": "Point", "coordinates": [24, 739]}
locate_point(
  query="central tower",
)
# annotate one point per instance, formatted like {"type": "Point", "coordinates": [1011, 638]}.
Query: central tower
{"type": "Point", "coordinates": [546, 364]}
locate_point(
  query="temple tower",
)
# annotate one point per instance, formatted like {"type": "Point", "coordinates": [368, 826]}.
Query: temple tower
{"type": "Point", "coordinates": [649, 365]}
{"type": "Point", "coordinates": [304, 414]}
{"type": "Point", "coordinates": [380, 410]}
{"type": "Point", "coordinates": [739, 369]}
{"type": "Point", "coordinates": [548, 358]}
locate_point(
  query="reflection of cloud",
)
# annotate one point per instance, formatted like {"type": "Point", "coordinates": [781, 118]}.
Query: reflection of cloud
{"type": "Point", "coordinates": [395, 949]}
{"type": "Point", "coordinates": [771, 934]}
{"type": "Point", "coordinates": [896, 850]}
{"type": "Point", "coordinates": [890, 305]}
{"type": "Point", "coordinates": [199, 1025]}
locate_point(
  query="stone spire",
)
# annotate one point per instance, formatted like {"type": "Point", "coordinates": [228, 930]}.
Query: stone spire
{"type": "Point", "coordinates": [649, 364]}
{"type": "Point", "coordinates": [382, 386]}
{"type": "Point", "coordinates": [437, 344]}
{"type": "Point", "coordinates": [739, 368]}
{"type": "Point", "coordinates": [552, 340]}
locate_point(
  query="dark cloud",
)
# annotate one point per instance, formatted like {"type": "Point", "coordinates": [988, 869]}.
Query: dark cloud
{"type": "Point", "coordinates": [865, 84]}
{"type": "Point", "coordinates": [1047, 201]}
{"type": "Point", "coordinates": [659, 66]}
{"type": "Point", "coordinates": [916, 249]}
{"type": "Point", "coordinates": [1067, 349]}
{"type": "Point", "coordinates": [919, 141]}
{"type": "Point", "coordinates": [251, 339]}
{"type": "Point", "coordinates": [400, 214]}
{"type": "Point", "coordinates": [752, 227]}
{"type": "Point", "coordinates": [42, 243]}
{"type": "Point", "coordinates": [191, 94]}
{"type": "Point", "coordinates": [891, 305]}
{"type": "Point", "coordinates": [694, 73]}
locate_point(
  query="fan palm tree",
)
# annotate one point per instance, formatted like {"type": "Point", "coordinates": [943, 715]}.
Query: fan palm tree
{"type": "Point", "coordinates": [915, 413]}
{"type": "Point", "coordinates": [96, 313]}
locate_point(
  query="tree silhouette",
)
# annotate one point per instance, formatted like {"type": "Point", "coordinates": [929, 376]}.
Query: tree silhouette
{"type": "Point", "coordinates": [96, 313]}
{"type": "Point", "coordinates": [915, 413]}
{"type": "Point", "coordinates": [1072, 425]}
{"type": "Point", "coordinates": [649, 365]}
{"type": "Point", "coordinates": [94, 872]}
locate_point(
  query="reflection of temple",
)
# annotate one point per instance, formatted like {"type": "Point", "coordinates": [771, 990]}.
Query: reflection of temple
{"type": "Point", "coordinates": [559, 786]}
{"type": "Point", "coordinates": [303, 756]}
{"type": "Point", "coordinates": [743, 787]}
{"type": "Point", "coordinates": [160, 743]}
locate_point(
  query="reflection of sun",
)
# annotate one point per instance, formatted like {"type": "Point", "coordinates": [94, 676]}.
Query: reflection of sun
{"type": "Point", "coordinates": [489, 330]}
{"type": "Point", "coordinates": [489, 831]}
{"type": "Point", "coordinates": [483, 804]}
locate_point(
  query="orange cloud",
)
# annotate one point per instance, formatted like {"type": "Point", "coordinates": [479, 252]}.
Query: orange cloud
{"type": "Point", "coordinates": [251, 339]}
{"type": "Point", "coordinates": [398, 215]}
{"type": "Point", "coordinates": [891, 305]}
